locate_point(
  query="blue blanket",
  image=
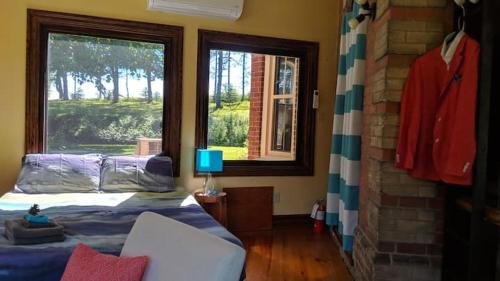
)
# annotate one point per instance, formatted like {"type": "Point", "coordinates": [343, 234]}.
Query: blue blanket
{"type": "Point", "coordinates": [104, 228]}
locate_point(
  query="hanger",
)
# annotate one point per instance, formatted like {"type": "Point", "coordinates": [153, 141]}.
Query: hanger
{"type": "Point", "coordinates": [460, 21]}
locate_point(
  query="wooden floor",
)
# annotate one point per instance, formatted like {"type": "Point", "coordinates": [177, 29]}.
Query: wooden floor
{"type": "Point", "coordinates": [293, 252]}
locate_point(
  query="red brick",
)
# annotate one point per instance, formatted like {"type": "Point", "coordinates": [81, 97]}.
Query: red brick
{"type": "Point", "coordinates": [413, 202]}
{"type": "Point", "coordinates": [411, 248]}
{"type": "Point", "coordinates": [434, 249]}
{"type": "Point", "coordinates": [382, 154]}
{"type": "Point", "coordinates": [387, 200]}
{"type": "Point", "coordinates": [387, 247]}
{"type": "Point", "coordinates": [388, 107]}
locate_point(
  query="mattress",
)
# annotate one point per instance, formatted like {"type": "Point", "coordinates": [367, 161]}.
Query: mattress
{"type": "Point", "coordinates": [100, 220]}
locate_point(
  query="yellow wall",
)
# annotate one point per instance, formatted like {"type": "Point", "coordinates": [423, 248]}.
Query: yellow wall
{"type": "Point", "coordinates": [313, 20]}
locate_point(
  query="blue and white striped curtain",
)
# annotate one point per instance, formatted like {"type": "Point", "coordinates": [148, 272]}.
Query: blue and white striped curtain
{"type": "Point", "coordinates": [343, 184]}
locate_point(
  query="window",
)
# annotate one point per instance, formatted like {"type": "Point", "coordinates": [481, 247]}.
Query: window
{"type": "Point", "coordinates": [282, 107]}
{"type": "Point", "coordinates": [255, 103]}
{"type": "Point", "coordinates": [98, 85]}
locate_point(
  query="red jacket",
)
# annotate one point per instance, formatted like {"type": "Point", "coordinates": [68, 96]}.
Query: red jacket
{"type": "Point", "coordinates": [437, 137]}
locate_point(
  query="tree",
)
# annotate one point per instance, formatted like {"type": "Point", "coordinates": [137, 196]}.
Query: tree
{"type": "Point", "coordinates": [218, 91]}
{"type": "Point", "coordinates": [60, 62]}
{"type": "Point", "coordinates": [230, 96]}
{"type": "Point", "coordinates": [152, 66]}
{"type": "Point", "coordinates": [102, 60]}
{"type": "Point", "coordinates": [229, 69]}
{"type": "Point", "coordinates": [146, 60]}
{"type": "Point", "coordinates": [245, 74]}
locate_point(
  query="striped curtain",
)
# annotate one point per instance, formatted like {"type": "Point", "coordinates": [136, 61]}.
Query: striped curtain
{"type": "Point", "coordinates": [343, 183]}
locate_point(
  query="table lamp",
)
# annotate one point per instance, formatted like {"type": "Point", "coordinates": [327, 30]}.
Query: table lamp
{"type": "Point", "coordinates": [208, 161]}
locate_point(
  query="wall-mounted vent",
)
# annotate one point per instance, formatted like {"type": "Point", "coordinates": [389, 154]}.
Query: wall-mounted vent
{"type": "Point", "coordinates": [222, 9]}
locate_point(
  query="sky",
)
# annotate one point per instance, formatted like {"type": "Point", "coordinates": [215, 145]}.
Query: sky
{"type": "Point", "coordinates": [236, 74]}
{"type": "Point", "coordinates": [136, 88]}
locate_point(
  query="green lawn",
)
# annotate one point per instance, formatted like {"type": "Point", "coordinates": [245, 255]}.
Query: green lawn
{"type": "Point", "coordinates": [232, 153]}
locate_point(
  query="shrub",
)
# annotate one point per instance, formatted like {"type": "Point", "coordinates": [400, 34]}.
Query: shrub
{"type": "Point", "coordinates": [100, 122]}
{"type": "Point", "coordinates": [228, 129]}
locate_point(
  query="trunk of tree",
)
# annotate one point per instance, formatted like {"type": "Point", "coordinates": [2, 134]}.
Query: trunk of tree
{"type": "Point", "coordinates": [65, 86]}
{"type": "Point", "coordinates": [150, 92]}
{"type": "Point", "coordinates": [243, 66]}
{"type": "Point", "coordinates": [228, 72]}
{"type": "Point", "coordinates": [126, 84]}
{"type": "Point", "coordinates": [116, 86]}
{"type": "Point", "coordinates": [75, 93]}
{"type": "Point", "coordinates": [218, 92]}
{"type": "Point", "coordinates": [215, 73]}
{"type": "Point", "coordinates": [59, 87]}
{"type": "Point", "coordinates": [100, 88]}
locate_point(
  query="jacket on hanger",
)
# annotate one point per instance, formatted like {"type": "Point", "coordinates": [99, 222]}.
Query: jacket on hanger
{"type": "Point", "coordinates": [437, 137]}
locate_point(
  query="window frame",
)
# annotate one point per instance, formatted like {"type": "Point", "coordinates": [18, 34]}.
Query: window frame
{"type": "Point", "coordinates": [268, 111]}
{"type": "Point", "coordinates": [307, 52]}
{"type": "Point", "coordinates": [41, 23]}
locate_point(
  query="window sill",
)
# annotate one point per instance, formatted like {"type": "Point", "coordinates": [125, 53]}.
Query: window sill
{"type": "Point", "coordinates": [259, 169]}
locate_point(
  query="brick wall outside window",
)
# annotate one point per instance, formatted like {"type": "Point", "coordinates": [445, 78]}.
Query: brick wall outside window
{"type": "Point", "coordinates": [256, 105]}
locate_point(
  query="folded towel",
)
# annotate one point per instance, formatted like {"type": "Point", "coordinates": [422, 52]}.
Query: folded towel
{"type": "Point", "coordinates": [28, 224]}
{"type": "Point", "coordinates": [37, 219]}
{"type": "Point", "coordinates": [31, 241]}
{"type": "Point", "coordinates": [17, 229]}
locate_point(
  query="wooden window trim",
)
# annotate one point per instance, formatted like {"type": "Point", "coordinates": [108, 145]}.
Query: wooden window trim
{"type": "Point", "coordinates": [307, 52]}
{"type": "Point", "coordinates": [268, 114]}
{"type": "Point", "coordinates": [41, 23]}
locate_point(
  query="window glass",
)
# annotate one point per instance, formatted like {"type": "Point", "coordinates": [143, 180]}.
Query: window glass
{"type": "Point", "coordinates": [282, 125]}
{"type": "Point", "coordinates": [252, 105]}
{"type": "Point", "coordinates": [104, 95]}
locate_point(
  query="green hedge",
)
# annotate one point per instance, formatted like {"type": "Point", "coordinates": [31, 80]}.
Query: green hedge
{"type": "Point", "coordinates": [228, 128]}
{"type": "Point", "coordinates": [100, 122]}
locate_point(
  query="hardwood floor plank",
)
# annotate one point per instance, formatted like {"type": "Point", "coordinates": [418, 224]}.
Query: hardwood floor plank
{"type": "Point", "coordinates": [293, 253]}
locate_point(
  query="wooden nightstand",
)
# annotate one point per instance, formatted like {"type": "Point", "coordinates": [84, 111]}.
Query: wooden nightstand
{"type": "Point", "coordinates": [215, 205]}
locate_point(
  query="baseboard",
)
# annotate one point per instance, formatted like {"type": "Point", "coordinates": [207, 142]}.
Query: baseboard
{"type": "Point", "coordinates": [346, 256]}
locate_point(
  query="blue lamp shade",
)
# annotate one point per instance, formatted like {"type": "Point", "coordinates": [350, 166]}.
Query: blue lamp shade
{"type": "Point", "coordinates": [208, 160]}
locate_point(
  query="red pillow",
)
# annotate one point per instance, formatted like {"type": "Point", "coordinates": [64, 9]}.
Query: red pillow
{"type": "Point", "coordinates": [87, 264]}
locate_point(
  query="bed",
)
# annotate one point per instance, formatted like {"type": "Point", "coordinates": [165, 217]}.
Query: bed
{"type": "Point", "coordinates": [100, 220]}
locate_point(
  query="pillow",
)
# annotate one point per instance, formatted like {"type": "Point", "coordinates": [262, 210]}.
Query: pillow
{"type": "Point", "coordinates": [59, 173]}
{"type": "Point", "coordinates": [137, 173]}
{"type": "Point", "coordinates": [87, 264]}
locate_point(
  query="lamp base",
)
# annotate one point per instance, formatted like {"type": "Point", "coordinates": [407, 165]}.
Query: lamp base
{"type": "Point", "coordinates": [208, 186]}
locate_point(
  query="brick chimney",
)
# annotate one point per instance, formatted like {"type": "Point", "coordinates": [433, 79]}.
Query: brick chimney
{"type": "Point", "coordinates": [399, 236]}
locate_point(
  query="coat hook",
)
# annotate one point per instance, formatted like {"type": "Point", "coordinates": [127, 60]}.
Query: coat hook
{"type": "Point", "coordinates": [372, 13]}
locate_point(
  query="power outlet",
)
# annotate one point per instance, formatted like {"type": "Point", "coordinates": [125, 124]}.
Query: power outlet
{"type": "Point", "coordinates": [276, 197]}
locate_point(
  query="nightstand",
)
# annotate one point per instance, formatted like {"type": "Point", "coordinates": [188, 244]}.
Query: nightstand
{"type": "Point", "coordinates": [215, 205]}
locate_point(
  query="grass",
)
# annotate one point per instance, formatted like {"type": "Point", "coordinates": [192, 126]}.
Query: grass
{"type": "Point", "coordinates": [229, 152]}
{"type": "Point", "coordinates": [241, 106]}
{"type": "Point", "coordinates": [107, 149]}
{"type": "Point", "coordinates": [232, 152]}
